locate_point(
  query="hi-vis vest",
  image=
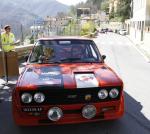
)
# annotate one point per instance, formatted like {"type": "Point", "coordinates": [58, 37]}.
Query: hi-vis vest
{"type": "Point", "coordinates": [7, 41]}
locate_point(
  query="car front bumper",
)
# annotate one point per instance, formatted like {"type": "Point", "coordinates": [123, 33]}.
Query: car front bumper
{"type": "Point", "coordinates": [71, 113]}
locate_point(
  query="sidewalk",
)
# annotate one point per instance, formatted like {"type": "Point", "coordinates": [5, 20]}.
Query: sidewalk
{"type": "Point", "coordinates": [142, 47]}
{"type": "Point", "coordinates": [145, 49]}
{"type": "Point", "coordinates": [7, 88]}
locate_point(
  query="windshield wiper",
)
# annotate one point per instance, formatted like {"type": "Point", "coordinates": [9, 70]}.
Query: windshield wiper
{"type": "Point", "coordinates": [70, 59]}
{"type": "Point", "coordinates": [49, 62]}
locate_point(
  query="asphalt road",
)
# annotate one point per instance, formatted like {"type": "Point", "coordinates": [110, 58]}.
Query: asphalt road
{"type": "Point", "coordinates": [130, 66]}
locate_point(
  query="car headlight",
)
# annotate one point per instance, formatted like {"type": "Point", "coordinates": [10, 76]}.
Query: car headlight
{"type": "Point", "coordinates": [113, 93]}
{"type": "Point", "coordinates": [26, 98]}
{"type": "Point", "coordinates": [102, 94]}
{"type": "Point", "coordinates": [39, 97]}
{"type": "Point", "coordinates": [89, 111]}
{"type": "Point", "coordinates": [55, 113]}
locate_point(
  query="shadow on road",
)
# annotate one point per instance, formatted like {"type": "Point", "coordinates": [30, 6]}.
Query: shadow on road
{"type": "Point", "coordinates": [5, 93]}
{"type": "Point", "coordinates": [133, 122]}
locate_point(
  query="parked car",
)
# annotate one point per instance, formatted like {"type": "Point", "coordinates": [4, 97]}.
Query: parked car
{"type": "Point", "coordinates": [110, 30]}
{"type": "Point", "coordinates": [102, 31]}
{"type": "Point", "coordinates": [66, 81]}
{"type": "Point", "coordinates": [123, 32]}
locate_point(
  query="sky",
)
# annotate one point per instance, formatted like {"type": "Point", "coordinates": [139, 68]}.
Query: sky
{"type": "Point", "coordinates": [71, 2]}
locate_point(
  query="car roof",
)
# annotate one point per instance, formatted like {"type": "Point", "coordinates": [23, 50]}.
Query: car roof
{"type": "Point", "coordinates": [65, 38]}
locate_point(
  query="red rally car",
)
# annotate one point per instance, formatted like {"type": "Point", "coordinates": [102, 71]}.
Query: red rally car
{"type": "Point", "coordinates": [66, 81]}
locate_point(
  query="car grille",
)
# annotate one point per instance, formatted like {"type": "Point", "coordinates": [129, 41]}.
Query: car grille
{"type": "Point", "coordinates": [58, 96]}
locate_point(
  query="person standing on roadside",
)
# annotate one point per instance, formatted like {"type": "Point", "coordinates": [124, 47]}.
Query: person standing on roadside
{"type": "Point", "coordinates": [7, 46]}
{"type": "Point", "coordinates": [7, 39]}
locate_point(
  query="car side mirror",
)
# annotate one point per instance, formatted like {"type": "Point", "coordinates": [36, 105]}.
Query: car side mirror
{"type": "Point", "coordinates": [103, 57]}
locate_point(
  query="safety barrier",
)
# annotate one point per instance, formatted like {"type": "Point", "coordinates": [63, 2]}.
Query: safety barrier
{"type": "Point", "coordinates": [23, 50]}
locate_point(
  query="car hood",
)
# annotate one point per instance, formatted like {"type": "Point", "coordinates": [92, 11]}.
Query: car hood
{"type": "Point", "coordinates": [69, 76]}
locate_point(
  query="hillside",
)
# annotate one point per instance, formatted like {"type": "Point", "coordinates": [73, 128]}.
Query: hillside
{"type": "Point", "coordinates": [24, 12]}
{"type": "Point", "coordinates": [43, 7]}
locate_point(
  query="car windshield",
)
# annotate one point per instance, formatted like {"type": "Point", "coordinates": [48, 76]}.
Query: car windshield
{"type": "Point", "coordinates": [62, 51]}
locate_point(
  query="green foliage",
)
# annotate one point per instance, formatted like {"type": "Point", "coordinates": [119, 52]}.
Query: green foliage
{"type": "Point", "coordinates": [105, 6]}
{"type": "Point", "coordinates": [112, 14]}
{"type": "Point", "coordinates": [72, 11]}
{"type": "Point", "coordinates": [123, 11]}
{"type": "Point", "coordinates": [94, 5]}
{"type": "Point", "coordinates": [31, 40]}
{"type": "Point", "coordinates": [97, 3]}
{"type": "Point", "coordinates": [88, 28]}
{"type": "Point", "coordinates": [117, 19]}
{"type": "Point", "coordinates": [72, 28]}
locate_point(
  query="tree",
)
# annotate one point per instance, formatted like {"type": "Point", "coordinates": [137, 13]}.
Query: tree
{"type": "Point", "coordinates": [87, 28]}
{"type": "Point", "coordinates": [111, 15]}
{"type": "Point", "coordinates": [97, 3]}
{"type": "Point", "coordinates": [72, 10]}
{"type": "Point", "coordinates": [123, 11]}
{"type": "Point", "coordinates": [94, 5]}
{"type": "Point", "coordinates": [61, 15]}
{"type": "Point", "coordinates": [105, 6]}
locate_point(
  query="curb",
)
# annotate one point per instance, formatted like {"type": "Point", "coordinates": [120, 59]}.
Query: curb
{"type": "Point", "coordinates": [139, 50]}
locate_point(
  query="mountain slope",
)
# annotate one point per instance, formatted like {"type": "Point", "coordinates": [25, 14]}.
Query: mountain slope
{"type": "Point", "coordinates": [43, 7]}
{"type": "Point", "coordinates": [15, 14]}
{"type": "Point", "coordinates": [24, 12]}
{"type": "Point", "coordinates": [11, 13]}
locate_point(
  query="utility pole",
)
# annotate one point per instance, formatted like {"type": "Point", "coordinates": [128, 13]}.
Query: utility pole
{"type": "Point", "coordinates": [0, 38]}
{"type": "Point", "coordinates": [34, 31]}
{"type": "Point", "coordinates": [22, 36]}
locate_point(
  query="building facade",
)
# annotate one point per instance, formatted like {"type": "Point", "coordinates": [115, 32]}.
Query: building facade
{"type": "Point", "coordinates": [140, 21]}
{"type": "Point", "coordinates": [113, 5]}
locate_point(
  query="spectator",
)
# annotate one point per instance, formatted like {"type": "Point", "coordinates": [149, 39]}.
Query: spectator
{"type": "Point", "coordinates": [7, 39]}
